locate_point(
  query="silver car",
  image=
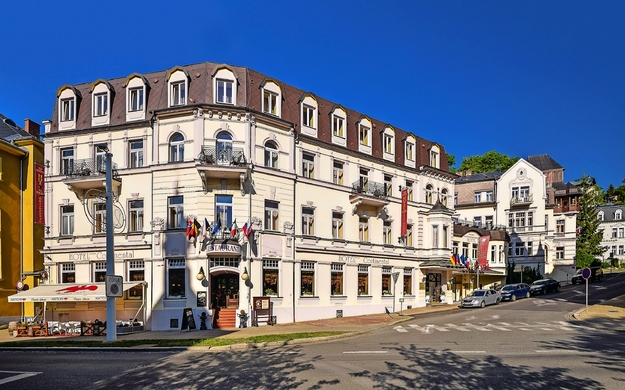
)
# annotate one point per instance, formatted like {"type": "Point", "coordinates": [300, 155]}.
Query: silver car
{"type": "Point", "coordinates": [482, 298]}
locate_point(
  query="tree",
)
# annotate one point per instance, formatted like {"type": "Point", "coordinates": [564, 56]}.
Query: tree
{"type": "Point", "coordinates": [615, 195]}
{"type": "Point", "coordinates": [489, 162]}
{"type": "Point", "coordinates": [451, 161]}
{"type": "Point", "coordinates": [589, 237]}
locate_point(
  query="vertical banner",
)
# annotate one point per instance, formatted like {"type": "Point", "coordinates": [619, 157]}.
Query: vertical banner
{"type": "Point", "coordinates": [404, 212]}
{"type": "Point", "coordinates": [482, 250]}
{"type": "Point", "coordinates": [39, 194]}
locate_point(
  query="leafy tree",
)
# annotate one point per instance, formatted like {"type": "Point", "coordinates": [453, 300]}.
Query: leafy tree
{"type": "Point", "coordinates": [615, 195]}
{"type": "Point", "coordinates": [589, 237]}
{"type": "Point", "coordinates": [451, 161]}
{"type": "Point", "coordinates": [489, 162]}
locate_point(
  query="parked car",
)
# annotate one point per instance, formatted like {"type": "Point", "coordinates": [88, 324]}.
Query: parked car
{"type": "Point", "coordinates": [510, 292]}
{"type": "Point", "coordinates": [596, 274]}
{"type": "Point", "coordinates": [481, 298]}
{"type": "Point", "coordinates": [544, 286]}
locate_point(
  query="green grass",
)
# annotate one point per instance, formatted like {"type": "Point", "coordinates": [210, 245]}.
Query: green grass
{"type": "Point", "coordinates": [209, 342]}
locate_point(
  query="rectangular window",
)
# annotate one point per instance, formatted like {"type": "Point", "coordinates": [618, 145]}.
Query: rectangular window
{"type": "Point", "coordinates": [136, 273]}
{"type": "Point", "coordinates": [271, 273]}
{"type": "Point", "coordinates": [223, 210]}
{"type": "Point", "coordinates": [100, 157]}
{"type": "Point", "coordinates": [409, 186]}
{"type": "Point", "coordinates": [435, 236]}
{"type": "Point", "coordinates": [308, 221]}
{"type": "Point", "coordinates": [176, 279]}
{"type": "Point", "coordinates": [388, 143]}
{"type": "Point", "coordinates": [364, 180]}
{"type": "Point", "coordinates": [308, 116]}
{"type": "Point", "coordinates": [465, 249]}
{"type": "Point", "coordinates": [308, 168]}
{"type": "Point", "coordinates": [524, 192]}
{"type": "Point", "coordinates": [559, 253]}
{"type": "Point", "coordinates": [67, 161]}
{"type": "Point", "coordinates": [407, 281]}
{"type": "Point", "coordinates": [67, 110]}
{"type": "Point", "coordinates": [363, 135]}
{"type": "Point", "coordinates": [560, 226]}
{"type": "Point", "coordinates": [455, 198]}
{"type": "Point", "coordinates": [434, 159]}
{"type": "Point", "coordinates": [489, 221]}
{"type": "Point", "coordinates": [387, 233]}
{"type": "Point", "coordinates": [493, 253]}
{"type": "Point", "coordinates": [67, 220]}
{"type": "Point", "coordinates": [99, 272]}
{"type": "Point", "coordinates": [478, 197]}
{"type": "Point", "coordinates": [135, 159]}
{"type": "Point", "coordinates": [519, 249]}
{"type": "Point", "coordinates": [338, 124]}
{"type": "Point", "coordinates": [271, 215]}
{"type": "Point", "coordinates": [477, 221]}
{"type": "Point", "coordinates": [270, 103]}
{"type": "Point", "coordinates": [337, 225]}
{"type": "Point", "coordinates": [135, 102]}
{"type": "Point", "coordinates": [409, 151]}
{"type": "Point", "coordinates": [308, 278]}
{"type": "Point", "coordinates": [175, 212]}
{"type": "Point", "coordinates": [68, 273]}
{"type": "Point", "coordinates": [445, 236]}
{"type": "Point", "coordinates": [519, 220]}
{"type": "Point", "coordinates": [530, 248]}
{"type": "Point", "coordinates": [388, 185]}
{"type": "Point", "coordinates": [489, 196]}
{"type": "Point", "coordinates": [474, 251]}
{"type": "Point", "coordinates": [336, 279]}
{"type": "Point", "coordinates": [530, 221]}
{"type": "Point", "coordinates": [178, 94]}
{"type": "Point", "coordinates": [409, 235]}
{"type": "Point", "coordinates": [100, 217]}
{"type": "Point", "coordinates": [100, 107]}
{"type": "Point", "coordinates": [225, 91]}
{"type": "Point", "coordinates": [135, 216]}
{"type": "Point", "coordinates": [386, 280]}
{"type": "Point", "coordinates": [363, 280]}
{"type": "Point", "coordinates": [337, 173]}
{"type": "Point", "coordinates": [363, 229]}
{"type": "Point", "coordinates": [621, 248]}
{"type": "Point", "coordinates": [621, 233]}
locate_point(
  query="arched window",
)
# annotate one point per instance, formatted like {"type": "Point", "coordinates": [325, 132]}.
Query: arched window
{"type": "Point", "coordinates": [444, 197]}
{"type": "Point", "coordinates": [176, 148]}
{"type": "Point", "coordinates": [600, 215]}
{"type": "Point", "coordinates": [428, 194]}
{"type": "Point", "coordinates": [271, 154]}
{"type": "Point", "coordinates": [224, 148]}
{"type": "Point", "coordinates": [618, 215]}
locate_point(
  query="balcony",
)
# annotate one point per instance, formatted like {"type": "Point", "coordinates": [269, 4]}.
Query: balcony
{"type": "Point", "coordinates": [89, 174]}
{"type": "Point", "coordinates": [221, 163]}
{"type": "Point", "coordinates": [368, 193]}
{"type": "Point", "coordinates": [521, 200]}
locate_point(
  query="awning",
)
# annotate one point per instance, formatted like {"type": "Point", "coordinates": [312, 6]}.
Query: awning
{"type": "Point", "coordinates": [66, 293]}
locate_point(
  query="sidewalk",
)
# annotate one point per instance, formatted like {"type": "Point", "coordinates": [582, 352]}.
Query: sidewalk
{"type": "Point", "coordinates": [609, 315]}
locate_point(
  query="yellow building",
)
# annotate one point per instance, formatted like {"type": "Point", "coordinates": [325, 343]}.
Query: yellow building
{"type": "Point", "coordinates": [21, 214]}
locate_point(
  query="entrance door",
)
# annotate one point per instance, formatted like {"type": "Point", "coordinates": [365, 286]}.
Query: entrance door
{"type": "Point", "coordinates": [225, 291]}
{"type": "Point", "coordinates": [433, 287]}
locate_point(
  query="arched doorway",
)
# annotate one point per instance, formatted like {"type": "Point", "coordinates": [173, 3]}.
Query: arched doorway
{"type": "Point", "coordinates": [225, 291]}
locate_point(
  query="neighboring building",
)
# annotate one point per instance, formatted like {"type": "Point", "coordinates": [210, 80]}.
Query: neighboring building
{"type": "Point", "coordinates": [301, 197]}
{"type": "Point", "coordinates": [542, 235]}
{"type": "Point", "coordinates": [21, 214]}
{"type": "Point", "coordinates": [612, 219]}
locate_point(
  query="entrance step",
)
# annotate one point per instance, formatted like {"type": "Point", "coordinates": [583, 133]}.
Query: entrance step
{"type": "Point", "coordinates": [227, 319]}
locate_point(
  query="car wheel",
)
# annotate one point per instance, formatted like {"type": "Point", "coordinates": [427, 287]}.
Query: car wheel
{"type": "Point", "coordinates": [528, 294]}
{"type": "Point", "coordinates": [482, 304]}
{"type": "Point", "coordinates": [558, 289]}
{"type": "Point", "coordinates": [513, 298]}
{"type": "Point", "coordinates": [497, 301]}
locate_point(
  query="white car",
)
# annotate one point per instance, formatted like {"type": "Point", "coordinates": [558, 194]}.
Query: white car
{"type": "Point", "coordinates": [481, 298]}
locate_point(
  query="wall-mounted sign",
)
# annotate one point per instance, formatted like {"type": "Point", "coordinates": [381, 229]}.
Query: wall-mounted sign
{"type": "Point", "coordinates": [362, 260]}
{"type": "Point", "coordinates": [88, 256]}
{"type": "Point", "coordinates": [223, 248]}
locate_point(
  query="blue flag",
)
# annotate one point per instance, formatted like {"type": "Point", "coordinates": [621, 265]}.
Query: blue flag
{"type": "Point", "coordinates": [217, 226]}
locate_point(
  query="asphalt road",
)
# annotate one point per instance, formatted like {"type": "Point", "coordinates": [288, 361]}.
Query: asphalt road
{"type": "Point", "coordinates": [527, 344]}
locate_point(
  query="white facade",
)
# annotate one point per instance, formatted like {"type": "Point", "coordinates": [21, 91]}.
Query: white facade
{"type": "Point", "coordinates": [612, 219]}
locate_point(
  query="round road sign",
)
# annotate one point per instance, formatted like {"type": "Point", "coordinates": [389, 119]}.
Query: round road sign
{"type": "Point", "coordinates": [586, 273]}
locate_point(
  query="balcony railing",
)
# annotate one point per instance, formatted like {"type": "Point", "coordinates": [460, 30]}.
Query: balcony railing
{"type": "Point", "coordinates": [521, 200]}
{"type": "Point", "coordinates": [211, 155]}
{"type": "Point", "coordinates": [87, 167]}
{"type": "Point", "coordinates": [369, 187]}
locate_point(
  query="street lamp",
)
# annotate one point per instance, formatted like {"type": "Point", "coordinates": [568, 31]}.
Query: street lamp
{"type": "Point", "coordinates": [245, 276]}
{"type": "Point", "coordinates": [200, 275]}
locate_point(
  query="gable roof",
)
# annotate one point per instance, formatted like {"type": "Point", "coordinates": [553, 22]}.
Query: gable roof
{"type": "Point", "coordinates": [544, 162]}
{"type": "Point", "coordinates": [9, 130]}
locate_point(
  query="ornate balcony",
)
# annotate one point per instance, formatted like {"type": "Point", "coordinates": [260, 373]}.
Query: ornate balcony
{"type": "Point", "coordinates": [89, 174]}
{"type": "Point", "coordinates": [369, 193]}
{"type": "Point", "coordinates": [521, 200]}
{"type": "Point", "coordinates": [221, 163]}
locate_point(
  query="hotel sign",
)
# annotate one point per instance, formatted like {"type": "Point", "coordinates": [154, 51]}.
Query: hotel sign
{"type": "Point", "coordinates": [363, 260]}
{"type": "Point", "coordinates": [88, 256]}
{"type": "Point", "coordinates": [223, 248]}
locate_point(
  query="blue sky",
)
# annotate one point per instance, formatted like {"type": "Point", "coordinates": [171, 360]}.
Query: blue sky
{"type": "Point", "coordinates": [518, 77]}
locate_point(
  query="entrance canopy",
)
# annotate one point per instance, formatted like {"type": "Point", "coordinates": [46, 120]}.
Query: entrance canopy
{"type": "Point", "coordinates": [66, 293]}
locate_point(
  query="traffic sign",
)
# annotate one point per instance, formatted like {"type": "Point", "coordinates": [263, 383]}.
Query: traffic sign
{"type": "Point", "coordinates": [586, 273]}
{"type": "Point", "coordinates": [114, 286]}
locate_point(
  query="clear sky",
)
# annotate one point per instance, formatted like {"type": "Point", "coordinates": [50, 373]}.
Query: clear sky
{"type": "Point", "coordinates": [518, 77]}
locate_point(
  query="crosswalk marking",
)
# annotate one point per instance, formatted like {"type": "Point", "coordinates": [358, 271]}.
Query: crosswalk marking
{"type": "Point", "coordinates": [489, 327]}
{"type": "Point", "coordinates": [17, 376]}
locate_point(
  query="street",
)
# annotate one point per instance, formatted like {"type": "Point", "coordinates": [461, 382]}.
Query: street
{"type": "Point", "coordinates": [524, 344]}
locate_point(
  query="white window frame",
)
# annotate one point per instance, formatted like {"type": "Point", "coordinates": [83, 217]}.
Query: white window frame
{"type": "Point", "coordinates": [135, 267]}
{"type": "Point", "coordinates": [68, 273]}
{"type": "Point", "coordinates": [272, 215]}
{"type": "Point", "coordinates": [308, 165]}
{"type": "Point", "coordinates": [273, 266]}
{"type": "Point", "coordinates": [99, 272]}
{"type": "Point", "coordinates": [100, 104]}
{"type": "Point", "coordinates": [338, 172]}
{"type": "Point", "coordinates": [308, 116]}
{"type": "Point", "coordinates": [99, 212]}
{"type": "Point", "coordinates": [176, 264]}
{"type": "Point", "coordinates": [308, 221]}
{"type": "Point", "coordinates": [67, 220]}
{"type": "Point", "coordinates": [271, 154]}
{"type": "Point", "coordinates": [67, 161]}
{"type": "Point", "coordinates": [338, 270]}
{"type": "Point", "coordinates": [135, 215]}
{"type": "Point", "coordinates": [338, 126]}
{"type": "Point", "coordinates": [135, 153]}
{"type": "Point", "coordinates": [337, 225]}
{"type": "Point", "coordinates": [176, 148]}
{"type": "Point", "coordinates": [307, 269]}
{"type": "Point", "coordinates": [67, 109]}
{"type": "Point", "coordinates": [178, 93]}
{"type": "Point", "coordinates": [363, 229]}
{"type": "Point", "coordinates": [387, 233]}
{"type": "Point", "coordinates": [175, 212]}
{"type": "Point", "coordinates": [363, 272]}
{"type": "Point", "coordinates": [136, 99]}
{"type": "Point", "coordinates": [224, 91]}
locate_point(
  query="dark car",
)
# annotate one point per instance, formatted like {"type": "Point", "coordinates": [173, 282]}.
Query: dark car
{"type": "Point", "coordinates": [596, 274]}
{"type": "Point", "coordinates": [510, 292]}
{"type": "Point", "coordinates": [544, 286]}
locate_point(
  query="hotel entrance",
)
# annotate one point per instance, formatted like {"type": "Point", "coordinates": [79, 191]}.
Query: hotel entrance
{"type": "Point", "coordinates": [225, 291]}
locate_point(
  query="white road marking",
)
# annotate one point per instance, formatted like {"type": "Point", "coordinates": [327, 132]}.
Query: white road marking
{"type": "Point", "coordinates": [456, 327]}
{"type": "Point", "coordinates": [476, 327]}
{"type": "Point", "coordinates": [471, 352]}
{"type": "Point", "coordinates": [400, 329]}
{"type": "Point", "coordinates": [557, 351]}
{"type": "Point", "coordinates": [20, 375]}
{"type": "Point", "coordinates": [363, 352]}
{"type": "Point", "coordinates": [498, 327]}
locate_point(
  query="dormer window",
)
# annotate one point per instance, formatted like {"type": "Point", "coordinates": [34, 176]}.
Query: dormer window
{"type": "Point", "coordinates": [67, 110]}
{"type": "Point", "coordinates": [224, 86]}
{"type": "Point", "coordinates": [101, 97]}
{"type": "Point", "coordinates": [409, 151]}
{"type": "Point", "coordinates": [339, 126]}
{"type": "Point", "coordinates": [100, 106]}
{"type": "Point", "coordinates": [618, 215]}
{"type": "Point", "coordinates": [388, 143]}
{"type": "Point", "coordinates": [136, 96]}
{"type": "Point", "coordinates": [600, 215]}
{"type": "Point", "coordinates": [178, 81]}
{"type": "Point", "coordinates": [308, 111]}
{"type": "Point", "coordinates": [224, 91]}
{"type": "Point", "coordinates": [178, 94]}
{"type": "Point", "coordinates": [68, 103]}
{"type": "Point", "coordinates": [271, 98]}
{"type": "Point", "coordinates": [135, 99]}
{"type": "Point", "coordinates": [364, 135]}
{"type": "Point", "coordinates": [435, 156]}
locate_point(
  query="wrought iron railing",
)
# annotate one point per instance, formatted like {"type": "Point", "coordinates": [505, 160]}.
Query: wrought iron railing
{"type": "Point", "coordinates": [369, 187]}
{"type": "Point", "coordinates": [522, 199]}
{"type": "Point", "coordinates": [211, 155]}
{"type": "Point", "coordinates": [87, 167]}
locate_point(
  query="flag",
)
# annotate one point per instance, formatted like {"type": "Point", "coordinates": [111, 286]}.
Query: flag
{"type": "Point", "coordinates": [191, 230]}
{"type": "Point", "coordinates": [233, 229]}
{"type": "Point", "coordinates": [244, 228]}
{"type": "Point", "coordinates": [206, 226]}
{"type": "Point", "coordinates": [249, 231]}
{"type": "Point", "coordinates": [196, 227]}
{"type": "Point", "coordinates": [217, 226]}
{"type": "Point", "coordinates": [453, 262]}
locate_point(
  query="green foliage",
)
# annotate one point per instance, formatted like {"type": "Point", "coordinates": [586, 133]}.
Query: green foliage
{"type": "Point", "coordinates": [489, 162]}
{"type": "Point", "coordinates": [615, 195]}
{"type": "Point", "coordinates": [531, 274]}
{"type": "Point", "coordinates": [451, 161]}
{"type": "Point", "coordinates": [589, 239]}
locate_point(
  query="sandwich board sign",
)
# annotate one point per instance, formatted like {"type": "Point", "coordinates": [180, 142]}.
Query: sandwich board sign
{"type": "Point", "coordinates": [114, 286]}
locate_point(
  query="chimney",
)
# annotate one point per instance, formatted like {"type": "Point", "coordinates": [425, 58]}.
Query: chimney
{"type": "Point", "coordinates": [468, 172]}
{"type": "Point", "coordinates": [32, 128]}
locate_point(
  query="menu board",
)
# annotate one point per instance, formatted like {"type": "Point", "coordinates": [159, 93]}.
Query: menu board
{"type": "Point", "coordinates": [188, 322]}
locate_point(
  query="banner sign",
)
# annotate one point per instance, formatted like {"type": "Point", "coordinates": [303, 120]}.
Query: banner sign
{"type": "Point", "coordinates": [482, 250]}
{"type": "Point", "coordinates": [404, 212]}
{"type": "Point", "coordinates": [39, 194]}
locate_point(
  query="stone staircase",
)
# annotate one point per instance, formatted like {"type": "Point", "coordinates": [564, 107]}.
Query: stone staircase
{"type": "Point", "coordinates": [227, 319]}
